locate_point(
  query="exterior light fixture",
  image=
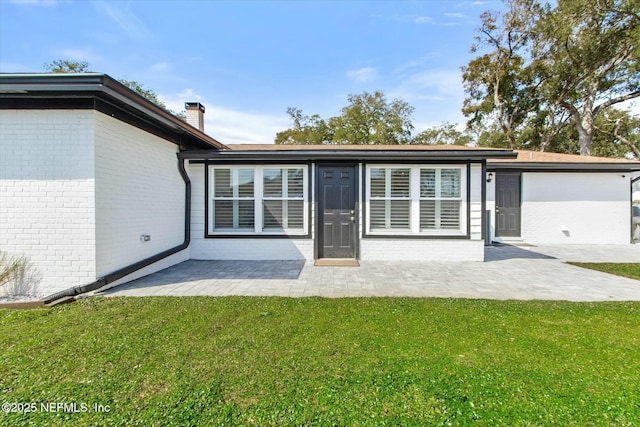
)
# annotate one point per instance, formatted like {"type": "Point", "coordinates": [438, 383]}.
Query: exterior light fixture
{"type": "Point", "coordinates": [490, 177]}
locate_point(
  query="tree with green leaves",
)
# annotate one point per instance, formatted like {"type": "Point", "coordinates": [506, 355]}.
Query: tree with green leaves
{"type": "Point", "coordinates": [446, 133]}
{"type": "Point", "coordinates": [554, 66]}
{"type": "Point", "coordinates": [501, 84]}
{"type": "Point", "coordinates": [368, 119]}
{"type": "Point", "coordinates": [67, 66]}
{"type": "Point", "coordinates": [305, 130]}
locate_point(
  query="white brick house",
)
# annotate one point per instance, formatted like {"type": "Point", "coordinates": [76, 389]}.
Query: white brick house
{"type": "Point", "coordinates": [99, 186]}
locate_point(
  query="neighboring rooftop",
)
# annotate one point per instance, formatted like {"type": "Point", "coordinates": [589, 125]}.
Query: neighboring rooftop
{"type": "Point", "coordinates": [356, 147]}
{"type": "Point", "coordinates": [526, 156]}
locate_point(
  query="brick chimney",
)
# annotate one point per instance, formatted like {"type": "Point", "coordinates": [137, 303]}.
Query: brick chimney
{"type": "Point", "coordinates": [195, 114]}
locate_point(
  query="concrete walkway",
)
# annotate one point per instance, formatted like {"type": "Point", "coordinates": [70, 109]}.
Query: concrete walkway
{"type": "Point", "coordinates": [509, 272]}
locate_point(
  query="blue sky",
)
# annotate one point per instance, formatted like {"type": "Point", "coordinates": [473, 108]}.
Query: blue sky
{"type": "Point", "coordinates": [247, 61]}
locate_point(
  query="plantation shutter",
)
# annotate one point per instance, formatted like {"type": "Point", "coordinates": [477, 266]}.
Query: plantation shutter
{"type": "Point", "coordinates": [390, 199]}
{"type": "Point", "coordinates": [283, 198]}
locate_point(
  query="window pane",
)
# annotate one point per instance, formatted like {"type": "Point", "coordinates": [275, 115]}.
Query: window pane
{"type": "Point", "coordinates": [272, 182]}
{"type": "Point", "coordinates": [427, 214]}
{"type": "Point", "coordinates": [390, 214]}
{"type": "Point", "coordinates": [233, 214]}
{"type": "Point", "coordinates": [400, 214]}
{"type": "Point", "coordinates": [377, 214]}
{"type": "Point", "coordinates": [450, 183]}
{"type": "Point", "coordinates": [400, 186]}
{"type": "Point", "coordinates": [440, 214]}
{"type": "Point", "coordinates": [427, 183]}
{"type": "Point", "coordinates": [450, 214]}
{"type": "Point", "coordinates": [245, 183]}
{"type": "Point", "coordinates": [223, 213]}
{"type": "Point", "coordinates": [377, 182]}
{"type": "Point", "coordinates": [283, 214]}
{"type": "Point", "coordinates": [246, 214]}
{"type": "Point", "coordinates": [295, 181]}
{"type": "Point", "coordinates": [225, 181]}
{"type": "Point", "coordinates": [222, 183]}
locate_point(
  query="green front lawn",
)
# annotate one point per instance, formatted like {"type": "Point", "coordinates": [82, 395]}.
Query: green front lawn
{"type": "Point", "coordinates": [631, 270]}
{"type": "Point", "coordinates": [353, 362]}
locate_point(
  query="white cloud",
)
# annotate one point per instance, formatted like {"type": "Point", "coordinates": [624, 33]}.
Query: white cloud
{"type": "Point", "coordinates": [189, 95]}
{"type": "Point", "coordinates": [231, 126]}
{"type": "Point", "coordinates": [79, 55]}
{"type": "Point", "coordinates": [160, 67]}
{"type": "Point", "coordinates": [417, 81]}
{"type": "Point", "coordinates": [435, 93]}
{"type": "Point", "coordinates": [123, 16]}
{"type": "Point", "coordinates": [422, 20]}
{"type": "Point", "coordinates": [363, 75]}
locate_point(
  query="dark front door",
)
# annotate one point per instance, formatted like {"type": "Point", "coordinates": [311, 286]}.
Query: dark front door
{"type": "Point", "coordinates": [507, 205]}
{"type": "Point", "coordinates": [336, 212]}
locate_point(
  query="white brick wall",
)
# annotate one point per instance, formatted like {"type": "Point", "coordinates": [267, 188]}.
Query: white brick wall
{"type": "Point", "coordinates": [47, 206]}
{"type": "Point", "coordinates": [421, 250]}
{"type": "Point", "coordinates": [593, 208]}
{"type": "Point", "coordinates": [138, 191]}
{"type": "Point", "coordinates": [475, 225]}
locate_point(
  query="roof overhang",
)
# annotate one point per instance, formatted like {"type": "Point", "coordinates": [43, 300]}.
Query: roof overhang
{"type": "Point", "coordinates": [32, 90]}
{"type": "Point", "coordinates": [346, 155]}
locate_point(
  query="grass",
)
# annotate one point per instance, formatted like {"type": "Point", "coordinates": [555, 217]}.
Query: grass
{"type": "Point", "coordinates": [631, 270]}
{"type": "Point", "coordinates": [313, 361]}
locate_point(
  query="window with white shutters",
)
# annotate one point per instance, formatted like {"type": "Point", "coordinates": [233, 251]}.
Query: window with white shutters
{"type": "Point", "coordinates": [233, 199]}
{"type": "Point", "coordinates": [258, 200]}
{"type": "Point", "coordinates": [390, 199]}
{"type": "Point", "coordinates": [416, 200]}
{"type": "Point", "coordinates": [283, 198]}
{"type": "Point", "coordinates": [440, 199]}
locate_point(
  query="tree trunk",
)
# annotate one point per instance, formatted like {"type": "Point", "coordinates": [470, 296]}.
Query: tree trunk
{"type": "Point", "coordinates": [585, 125]}
{"type": "Point", "coordinates": [584, 139]}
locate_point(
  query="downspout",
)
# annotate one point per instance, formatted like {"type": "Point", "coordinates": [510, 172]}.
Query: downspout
{"type": "Point", "coordinates": [633, 181]}
{"type": "Point", "coordinates": [125, 271]}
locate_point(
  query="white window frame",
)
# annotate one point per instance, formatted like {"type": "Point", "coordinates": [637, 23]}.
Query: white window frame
{"type": "Point", "coordinates": [388, 197]}
{"type": "Point", "coordinates": [258, 198]}
{"type": "Point", "coordinates": [439, 198]}
{"type": "Point", "coordinates": [415, 201]}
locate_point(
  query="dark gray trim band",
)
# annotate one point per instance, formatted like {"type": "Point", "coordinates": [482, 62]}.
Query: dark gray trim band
{"type": "Point", "coordinates": [354, 155]}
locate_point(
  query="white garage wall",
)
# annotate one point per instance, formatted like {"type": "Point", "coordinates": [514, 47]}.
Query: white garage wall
{"type": "Point", "coordinates": [47, 208]}
{"type": "Point", "coordinates": [576, 208]}
{"type": "Point", "coordinates": [139, 191]}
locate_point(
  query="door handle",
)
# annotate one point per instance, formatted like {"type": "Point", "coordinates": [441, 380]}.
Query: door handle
{"type": "Point", "coordinates": [353, 218]}
{"type": "Point", "coordinates": [352, 212]}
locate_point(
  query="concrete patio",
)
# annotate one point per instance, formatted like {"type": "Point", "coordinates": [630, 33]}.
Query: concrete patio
{"type": "Point", "coordinates": [509, 272]}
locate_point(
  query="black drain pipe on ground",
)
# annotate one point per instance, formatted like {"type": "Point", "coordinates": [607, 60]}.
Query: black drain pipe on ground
{"type": "Point", "coordinates": [119, 274]}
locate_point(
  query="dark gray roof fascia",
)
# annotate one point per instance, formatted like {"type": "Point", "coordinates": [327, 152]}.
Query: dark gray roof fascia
{"type": "Point", "coordinates": [98, 84]}
{"type": "Point", "coordinates": [353, 154]}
